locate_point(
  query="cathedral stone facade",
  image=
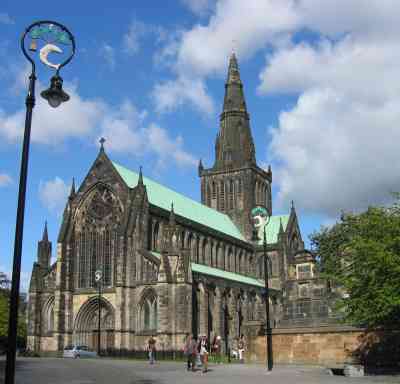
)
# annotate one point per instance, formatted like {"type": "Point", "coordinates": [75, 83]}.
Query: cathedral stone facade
{"type": "Point", "coordinates": [170, 265]}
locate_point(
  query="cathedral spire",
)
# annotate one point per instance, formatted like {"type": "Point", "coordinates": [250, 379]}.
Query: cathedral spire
{"type": "Point", "coordinates": [45, 236]}
{"type": "Point", "coordinates": [234, 145]}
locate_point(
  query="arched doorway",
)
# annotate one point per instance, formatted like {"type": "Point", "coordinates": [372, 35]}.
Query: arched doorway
{"type": "Point", "coordinates": [86, 324]}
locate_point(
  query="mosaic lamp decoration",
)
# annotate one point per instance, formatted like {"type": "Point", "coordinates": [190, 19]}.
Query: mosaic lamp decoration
{"type": "Point", "coordinates": [45, 39]}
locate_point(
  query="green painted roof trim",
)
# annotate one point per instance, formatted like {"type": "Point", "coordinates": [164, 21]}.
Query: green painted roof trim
{"type": "Point", "coordinates": [272, 229]}
{"type": "Point", "coordinates": [162, 197]}
{"type": "Point", "coordinates": [215, 272]}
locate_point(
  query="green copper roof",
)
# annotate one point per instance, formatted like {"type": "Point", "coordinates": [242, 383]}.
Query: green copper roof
{"type": "Point", "coordinates": [162, 197]}
{"type": "Point", "coordinates": [215, 272]}
{"type": "Point", "coordinates": [272, 229]}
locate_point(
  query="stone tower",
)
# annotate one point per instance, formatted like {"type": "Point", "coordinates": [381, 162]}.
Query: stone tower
{"type": "Point", "coordinates": [235, 184]}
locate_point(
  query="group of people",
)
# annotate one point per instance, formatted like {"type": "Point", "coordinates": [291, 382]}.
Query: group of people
{"type": "Point", "coordinates": [200, 349]}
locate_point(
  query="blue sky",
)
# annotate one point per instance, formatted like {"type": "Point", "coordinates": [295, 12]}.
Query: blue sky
{"type": "Point", "coordinates": [321, 84]}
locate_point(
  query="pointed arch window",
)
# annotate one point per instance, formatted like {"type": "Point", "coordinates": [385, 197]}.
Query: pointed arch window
{"type": "Point", "coordinates": [156, 231]}
{"type": "Point", "coordinates": [208, 196]}
{"type": "Point", "coordinates": [148, 314]}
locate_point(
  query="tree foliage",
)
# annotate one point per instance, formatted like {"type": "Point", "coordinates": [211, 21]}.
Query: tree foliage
{"type": "Point", "coordinates": [4, 313]}
{"type": "Point", "coordinates": [361, 254]}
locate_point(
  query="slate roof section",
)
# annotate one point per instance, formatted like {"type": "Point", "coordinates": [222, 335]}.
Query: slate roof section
{"type": "Point", "coordinates": [162, 197]}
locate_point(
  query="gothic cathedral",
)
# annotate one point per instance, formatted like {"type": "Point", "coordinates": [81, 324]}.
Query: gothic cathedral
{"type": "Point", "coordinates": [168, 265]}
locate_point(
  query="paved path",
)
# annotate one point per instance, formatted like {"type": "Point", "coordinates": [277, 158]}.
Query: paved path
{"type": "Point", "coordinates": [109, 371]}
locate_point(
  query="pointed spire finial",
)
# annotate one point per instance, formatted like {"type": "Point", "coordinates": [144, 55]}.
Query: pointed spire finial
{"type": "Point", "coordinates": [292, 205]}
{"type": "Point", "coordinates": [45, 236]}
{"type": "Point", "coordinates": [72, 193]}
{"type": "Point", "coordinates": [102, 141]}
{"type": "Point", "coordinates": [172, 214]}
{"type": "Point", "coordinates": [140, 180]}
{"type": "Point", "coordinates": [200, 167]}
{"type": "Point", "coordinates": [280, 225]}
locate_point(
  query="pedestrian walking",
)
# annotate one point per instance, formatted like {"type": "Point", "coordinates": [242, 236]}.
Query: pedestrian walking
{"type": "Point", "coordinates": [187, 351]}
{"type": "Point", "coordinates": [241, 348]}
{"type": "Point", "coordinates": [204, 348]}
{"type": "Point", "coordinates": [151, 347]}
{"type": "Point", "coordinates": [217, 349]}
{"type": "Point", "coordinates": [193, 353]}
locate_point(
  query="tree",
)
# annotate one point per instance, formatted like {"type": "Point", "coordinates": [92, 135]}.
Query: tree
{"type": "Point", "coordinates": [361, 254]}
{"type": "Point", "coordinates": [4, 306]}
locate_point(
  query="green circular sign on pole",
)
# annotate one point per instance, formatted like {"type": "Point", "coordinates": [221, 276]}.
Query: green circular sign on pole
{"type": "Point", "coordinates": [259, 216]}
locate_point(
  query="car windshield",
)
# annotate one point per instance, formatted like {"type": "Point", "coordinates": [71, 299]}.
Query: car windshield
{"type": "Point", "coordinates": [69, 347]}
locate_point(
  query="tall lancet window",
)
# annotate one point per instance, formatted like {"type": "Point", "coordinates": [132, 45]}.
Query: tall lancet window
{"type": "Point", "coordinates": [96, 243]}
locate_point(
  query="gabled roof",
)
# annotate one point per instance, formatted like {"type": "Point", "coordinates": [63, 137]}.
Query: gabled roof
{"type": "Point", "coordinates": [272, 229]}
{"type": "Point", "coordinates": [162, 197]}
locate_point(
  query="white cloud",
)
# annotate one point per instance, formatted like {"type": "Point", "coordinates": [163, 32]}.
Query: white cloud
{"type": "Point", "coordinates": [204, 50]}
{"type": "Point", "coordinates": [76, 118]}
{"type": "Point", "coordinates": [126, 132]}
{"type": "Point", "coordinates": [199, 7]}
{"type": "Point", "coordinates": [168, 149]}
{"type": "Point", "coordinates": [5, 180]}
{"type": "Point", "coordinates": [131, 39]}
{"type": "Point", "coordinates": [336, 149]}
{"type": "Point", "coordinates": [5, 18]}
{"type": "Point", "coordinates": [53, 194]}
{"type": "Point", "coordinates": [107, 52]}
{"type": "Point", "coordinates": [171, 94]}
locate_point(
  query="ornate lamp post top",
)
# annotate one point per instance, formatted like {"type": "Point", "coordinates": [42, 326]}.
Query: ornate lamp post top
{"type": "Point", "coordinates": [48, 37]}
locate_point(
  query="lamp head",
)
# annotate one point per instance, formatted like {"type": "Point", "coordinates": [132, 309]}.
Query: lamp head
{"type": "Point", "coordinates": [55, 94]}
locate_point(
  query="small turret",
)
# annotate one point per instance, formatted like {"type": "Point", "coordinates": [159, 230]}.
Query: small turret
{"type": "Point", "coordinates": [44, 249]}
{"type": "Point", "coordinates": [140, 180]}
{"type": "Point", "coordinates": [72, 193]}
{"type": "Point", "coordinates": [201, 168]}
{"type": "Point", "coordinates": [172, 215]}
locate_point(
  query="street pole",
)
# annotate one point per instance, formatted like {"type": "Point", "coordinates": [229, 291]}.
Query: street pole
{"type": "Point", "coordinates": [269, 330]}
{"type": "Point", "coordinates": [57, 33]}
{"type": "Point", "coordinates": [98, 275]}
{"type": "Point", "coordinates": [99, 322]}
{"type": "Point", "coordinates": [19, 232]}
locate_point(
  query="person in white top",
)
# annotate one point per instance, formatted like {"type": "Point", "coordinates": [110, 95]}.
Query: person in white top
{"type": "Point", "coordinates": [204, 348]}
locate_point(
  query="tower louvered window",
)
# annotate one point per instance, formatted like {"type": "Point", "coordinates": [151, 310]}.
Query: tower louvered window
{"type": "Point", "coordinates": [239, 190]}
{"type": "Point", "coordinates": [214, 190]}
{"type": "Point", "coordinates": [231, 194]}
{"type": "Point", "coordinates": [222, 197]}
{"type": "Point", "coordinates": [208, 195]}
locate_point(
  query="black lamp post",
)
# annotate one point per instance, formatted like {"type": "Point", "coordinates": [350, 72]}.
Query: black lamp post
{"type": "Point", "coordinates": [48, 33]}
{"type": "Point", "coordinates": [98, 278]}
{"type": "Point", "coordinates": [261, 218]}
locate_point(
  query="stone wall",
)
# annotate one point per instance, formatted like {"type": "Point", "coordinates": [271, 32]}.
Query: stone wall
{"type": "Point", "coordinates": [327, 346]}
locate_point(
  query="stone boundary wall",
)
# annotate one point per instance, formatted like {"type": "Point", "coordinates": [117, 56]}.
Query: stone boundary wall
{"type": "Point", "coordinates": [326, 346]}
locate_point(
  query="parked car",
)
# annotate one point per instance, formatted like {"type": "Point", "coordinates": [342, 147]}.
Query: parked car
{"type": "Point", "coordinates": [76, 351]}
